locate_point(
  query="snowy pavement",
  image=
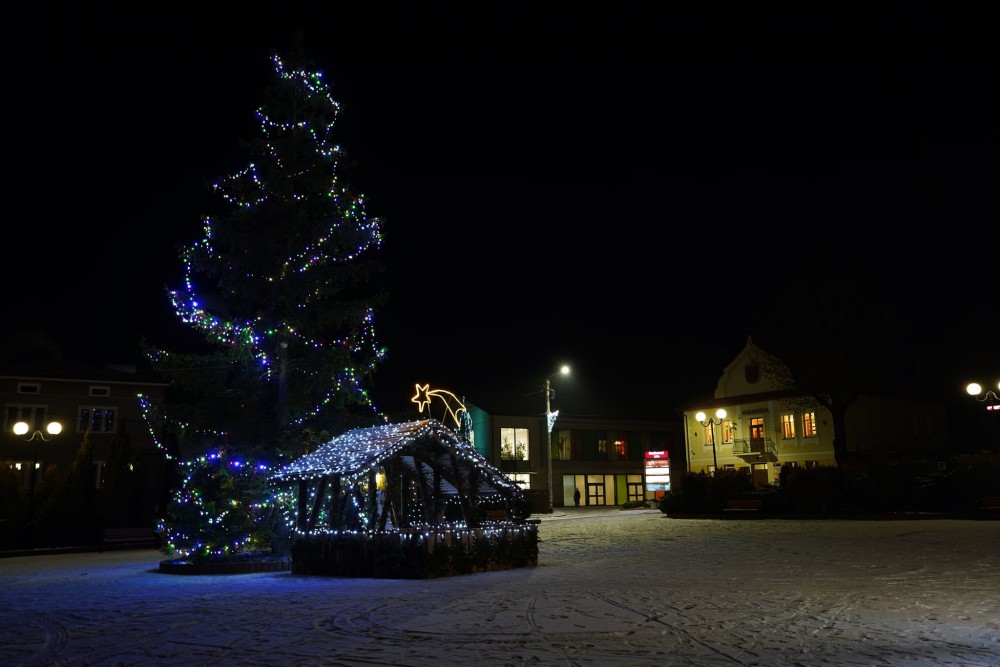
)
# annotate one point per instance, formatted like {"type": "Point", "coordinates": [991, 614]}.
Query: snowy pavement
{"type": "Point", "coordinates": [611, 587]}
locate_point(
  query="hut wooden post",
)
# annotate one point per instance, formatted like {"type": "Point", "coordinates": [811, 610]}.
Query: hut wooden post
{"type": "Point", "coordinates": [302, 505]}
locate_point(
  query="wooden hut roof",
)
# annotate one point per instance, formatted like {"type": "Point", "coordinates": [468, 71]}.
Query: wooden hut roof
{"type": "Point", "coordinates": [358, 451]}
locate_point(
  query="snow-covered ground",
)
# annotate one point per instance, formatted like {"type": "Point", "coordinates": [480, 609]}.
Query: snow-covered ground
{"type": "Point", "coordinates": [612, 587]}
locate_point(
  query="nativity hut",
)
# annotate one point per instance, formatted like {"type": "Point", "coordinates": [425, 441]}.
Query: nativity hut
{"type": "Point", "coordinates": [407, 500]}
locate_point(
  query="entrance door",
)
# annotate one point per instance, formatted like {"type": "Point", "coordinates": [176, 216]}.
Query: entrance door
{"type": "Point", "coordinates": [595, 493]}
{"type": "Point", "coordinates": [757, 435]}
{"type": "Point", "coordinates": [760, 476]}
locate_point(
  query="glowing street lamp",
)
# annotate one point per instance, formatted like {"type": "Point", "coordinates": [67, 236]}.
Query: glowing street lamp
{"type": "Point", "coordinates": [550, 420]}
{"type": "Point", "coordinates": [21, 429]}
{"type": "Point", "coordinates": [992, 400]}
{"type": "Point", "coordinates": [705, 420]}
{"type": "Point", "coordinates": [975, 390]}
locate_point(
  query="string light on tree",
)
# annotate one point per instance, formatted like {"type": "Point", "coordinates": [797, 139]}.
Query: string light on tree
{"type": "Point", "coordinates": [282, 288]}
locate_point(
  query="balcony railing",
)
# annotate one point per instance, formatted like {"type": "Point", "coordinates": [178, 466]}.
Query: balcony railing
{"type": "Point", "coordinates": [757, 446]}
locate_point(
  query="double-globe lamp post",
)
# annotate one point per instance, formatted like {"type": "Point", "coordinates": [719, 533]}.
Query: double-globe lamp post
{"type": "Point", "coordinates": [21, 429]}
{"type": "Point", "coordinates": [992, 400]}
{"type": "Point", "coordinates": [550, 420]}
{"type": "Point", "coordinates": [975, 390]}
{"type": "Point", "coordinates": [705, 420]}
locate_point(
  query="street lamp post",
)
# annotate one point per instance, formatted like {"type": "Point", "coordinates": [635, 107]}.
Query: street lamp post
{"type": "Point", "coordinates": [21, 429]}
{"type": "Point", "coordinates": [705, 420]}
{"type": "Point", "coordinates": [550, 420]}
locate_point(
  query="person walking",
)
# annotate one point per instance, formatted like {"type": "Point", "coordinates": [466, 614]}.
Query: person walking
{"type": "Point", "coordinates": [576, 497]}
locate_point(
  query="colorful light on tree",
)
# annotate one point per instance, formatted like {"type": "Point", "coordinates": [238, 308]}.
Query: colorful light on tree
{"type": "Point", "coordinates": [282, 287]}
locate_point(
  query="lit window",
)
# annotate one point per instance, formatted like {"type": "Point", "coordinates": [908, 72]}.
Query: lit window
{"type": "Point", "coordinates": [621, 451]}
{"type": "Point", "coordinates": [728, 431]}
{"type": "Point", "coordinates": [514, 444]}
{"type": "Point", "coordinates": [809, 424]}
{"type": "Point", "coordinates": [565, 448]}
{"type": "Point", "coordinates": [634, 490]}
{"type": "Point", "coordinates": [787, 426]}
{"type": "Point", "coordinates": [522, 480]}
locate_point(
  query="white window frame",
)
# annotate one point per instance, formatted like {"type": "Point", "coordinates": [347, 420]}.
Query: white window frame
{"type": "Point", "coordinates": [788, 426]}
{"type": "Point", "coordinates": [512, 440]}
{"type": "Point", "coordinates": [33, 414]}
{"type": "Point", "coordinates": [809, 418]}
{"type": "Point", "coordinates": [106, 417]}
{"type": "Point", "coordinates": [523, 480]}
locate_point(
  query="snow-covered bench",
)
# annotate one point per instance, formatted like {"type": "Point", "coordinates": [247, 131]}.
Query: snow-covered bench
{"type": "Point", "coordinates": [743, 505]}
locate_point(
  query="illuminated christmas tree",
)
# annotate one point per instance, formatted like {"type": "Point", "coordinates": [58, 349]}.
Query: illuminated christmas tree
{"type": "Point", "coordinates": [283, 288]}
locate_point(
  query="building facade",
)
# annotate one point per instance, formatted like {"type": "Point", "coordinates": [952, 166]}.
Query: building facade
{"type": "Point", "coordinates": [609, 461]}
{"type": "Point", "coordinates": [763, 427]}
{"type": "Point", "coordinates": [102, 403]}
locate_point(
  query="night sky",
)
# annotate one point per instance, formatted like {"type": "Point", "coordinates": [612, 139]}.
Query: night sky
{"type": "Point", "coordinates": [555, 186]}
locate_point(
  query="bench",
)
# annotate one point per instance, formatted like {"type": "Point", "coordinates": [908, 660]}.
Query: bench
{"type": "Point", "coordinates": [129, 538]}
{"type": "Point", "coordinates": [989, 503]}
{"type": "Point", "coordinates": [742, 505]}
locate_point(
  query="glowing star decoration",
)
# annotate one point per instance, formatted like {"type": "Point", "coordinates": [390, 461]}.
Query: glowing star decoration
{"type": "Point", "coordinates": [421, 398]}
{"type": "Point", "coordinates": [453, 407]}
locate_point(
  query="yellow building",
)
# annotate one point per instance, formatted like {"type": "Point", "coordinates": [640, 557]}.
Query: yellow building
{"type": "Point", "coordinates": [755, 424]}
